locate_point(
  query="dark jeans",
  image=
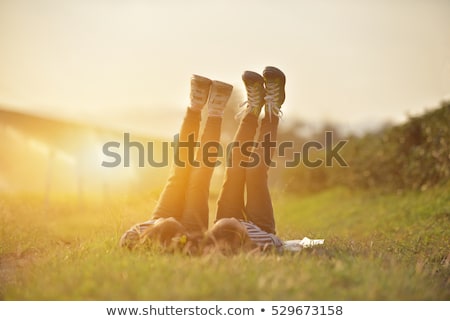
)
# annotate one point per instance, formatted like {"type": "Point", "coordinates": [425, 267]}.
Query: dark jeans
{"type": "Point", "coordinates": [186, 194]}
{"type": "Point", "coordinates": [253, 180]}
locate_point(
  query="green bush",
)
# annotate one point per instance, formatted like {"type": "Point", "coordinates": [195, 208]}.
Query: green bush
{"type": "Point", "coordinates": [414, 155]}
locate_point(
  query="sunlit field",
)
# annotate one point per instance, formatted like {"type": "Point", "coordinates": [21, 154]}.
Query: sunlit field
{"type": "Point", "coordinates": [385, 219]}
{"type": "Point", "coordinates": [94, 95]}
{"type": "Point", "coordinates": [377, 247]}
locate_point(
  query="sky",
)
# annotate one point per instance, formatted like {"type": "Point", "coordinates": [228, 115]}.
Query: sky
{"type": "Point", "coordinates": [128, 63]}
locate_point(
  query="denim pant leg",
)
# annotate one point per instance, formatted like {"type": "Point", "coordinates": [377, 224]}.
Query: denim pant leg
{"type": "Point", "coordinates": [231, 197]}
{"type": "Point", "coordinates": [259, 207]}
{"type": "Point", "coordinates": [172, 199]}
{"type": "Point", "coordinates": [196, 211]}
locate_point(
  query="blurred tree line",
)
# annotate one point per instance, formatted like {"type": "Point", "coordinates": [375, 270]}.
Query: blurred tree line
{"type": "Point", "coordinates": [414, 155]}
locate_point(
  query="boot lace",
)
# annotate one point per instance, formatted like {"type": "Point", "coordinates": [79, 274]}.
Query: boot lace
{"type": "Point", "coordinates": [252, 102]}
{"type": "Point", "coordinates": [271, 99]}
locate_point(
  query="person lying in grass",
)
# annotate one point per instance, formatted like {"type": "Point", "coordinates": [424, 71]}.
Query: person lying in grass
{"type": "Point", "coordinates": [244, 219]}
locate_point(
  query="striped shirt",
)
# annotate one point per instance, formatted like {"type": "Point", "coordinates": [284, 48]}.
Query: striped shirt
{"type": "Point", "coordinates": [261, 238]}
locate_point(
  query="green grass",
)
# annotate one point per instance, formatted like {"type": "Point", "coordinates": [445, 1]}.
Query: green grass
{"type": "Point", "coordinates": [377, 247]}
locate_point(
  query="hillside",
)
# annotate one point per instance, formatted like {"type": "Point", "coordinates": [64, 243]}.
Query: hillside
{"type": "Point", "coordinates": [410, 156]}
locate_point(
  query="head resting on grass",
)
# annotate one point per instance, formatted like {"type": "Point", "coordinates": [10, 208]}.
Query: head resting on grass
{"type": "Point", "coordinates": [166, 233]}
{"type": "Point", "coordinates": [227, 236]}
